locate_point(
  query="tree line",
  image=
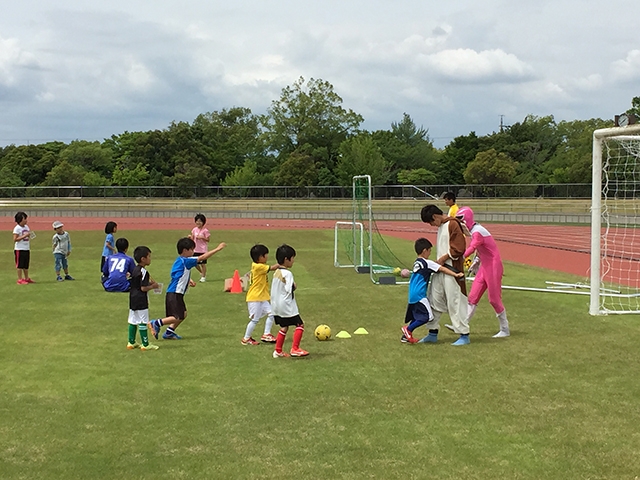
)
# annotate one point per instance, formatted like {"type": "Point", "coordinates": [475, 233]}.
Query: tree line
{"type": "Point", "coordinates": [307, 138]}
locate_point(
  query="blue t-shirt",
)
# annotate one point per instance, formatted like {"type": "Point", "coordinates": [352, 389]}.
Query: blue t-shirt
{"type": "Point", "coordinates": [115, 269]}
{"type": "Point", "coordinates": [422, 270]}
{"type": "Point", "coordinates": [181, 273]}
{"type": "Point", "coordinates": [105, 250]}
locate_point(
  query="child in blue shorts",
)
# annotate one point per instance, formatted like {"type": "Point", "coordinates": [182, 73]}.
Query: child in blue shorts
{"type": "Point", "coordinates": [419, 310]}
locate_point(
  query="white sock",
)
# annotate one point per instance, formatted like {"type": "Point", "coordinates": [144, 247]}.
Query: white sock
{"type": "Point", "coordinates": [250, 326]}
{"type": "Point", "coordinates": [268, 324]}
{"type": "Point", "coordinates": [504, 323]}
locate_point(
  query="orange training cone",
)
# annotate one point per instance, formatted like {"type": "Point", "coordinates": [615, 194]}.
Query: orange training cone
{"type": "Point", "coordinates": [236, 286]}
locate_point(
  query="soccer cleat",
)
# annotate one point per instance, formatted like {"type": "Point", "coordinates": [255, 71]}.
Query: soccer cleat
{"type": "Point", "coordinates": [68, 277]}
{"type": "Point", "coordinates": [268, 338]}
{"type": "Point", "coordinates": [463, 340]}
{"type": "Point", "coordinates": [280, 354]}
{"type": "Point", "coordinates": [145, 348]}
{"type": "Point", "coordinates": [203, 279]}
{"type": "Point", "coordinates": [22, 282]}
{"type": "Point", "coordinates": [131, 346]}
{"type": "Point", "coordinates": [431, 338]}
{"type": "Point", "coordinates": [407, 334]}
{"type": "Point", "coordinates": [502, 334]}
{"type": "Point", "coordinates": [28, 280]}
{"type": "Point", "coordinates": [403, 339]}
{"type": "Point", "coordinates": [154, 326]}
{"type": "Point", "coordinates": [59, 279]}
{"type": "Point", "coordinates": [249, 341]}
{"type": "Point", "coordinates": [298, 352]}
{"type": "Point", "coordinates": [450, 327]}
{"type": "Point", "coordinates": [171, 336]}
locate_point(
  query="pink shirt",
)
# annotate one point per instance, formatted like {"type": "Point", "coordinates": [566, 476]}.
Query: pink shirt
{"type": "Point", "coordinates": [201, 245]}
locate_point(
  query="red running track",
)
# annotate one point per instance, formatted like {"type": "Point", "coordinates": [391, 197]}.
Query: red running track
{"type": "Point", "coordinates": [560, 248]}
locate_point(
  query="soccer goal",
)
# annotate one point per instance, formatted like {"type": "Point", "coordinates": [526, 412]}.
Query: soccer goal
{"type": "Point", "coordinates": [360, 242]}
{"type": "Point", "coordinates": [615, 222]}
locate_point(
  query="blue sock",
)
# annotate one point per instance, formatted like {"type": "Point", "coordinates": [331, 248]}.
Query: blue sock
{"type": "Point", "coordinates": [415, 324]}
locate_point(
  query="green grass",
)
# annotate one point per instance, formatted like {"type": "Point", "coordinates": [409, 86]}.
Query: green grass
{"type": "Point", "coordinates": [558, 399]}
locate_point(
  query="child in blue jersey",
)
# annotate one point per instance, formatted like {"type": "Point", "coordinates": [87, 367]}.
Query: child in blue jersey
{"type": "Point", "coordinates": [176, 310]}
{"type": "Point", "coordinates": [118, 268]}
{"type": "Point", "coordinates": [419, 310]}
{"type": "Point", "coordinates": [109, 247]}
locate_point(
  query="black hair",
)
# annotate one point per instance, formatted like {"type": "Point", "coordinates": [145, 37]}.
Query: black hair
{"type": "Point", "coordinates": [283, 252]}
{"type": "Point", "coordinates": [110, 227]}
{"type": "Point", "coordinates": [140, 252]}
{"type": "Point", "coordinates": [122, 244]}
{"type": "Point", "coordinates": [449, 196]}
{"type": "Point", "coordinates": [20, 216]}
{"type": "Point", "coordinates": [422, 244]}
{"type": "Point", "coordinates": [201, 217]}
{"type": "Point", "coordinates": [257, 251]}
{"type": "Point", "coordinates": [185, 243]}
{"type": "Point", "coordinates": [428, 211]}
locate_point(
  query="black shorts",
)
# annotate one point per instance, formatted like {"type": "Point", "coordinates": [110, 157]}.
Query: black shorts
{"type": "Point", "coordinates": [288, 321]}
{"type": "Point", "coordinates": [174, 305]}
{"type": "Point", "coordinates": [22, 259]}
{"type": "Point", "coordinates": [203, 262]}
{"type": "Point", "coordinates": [417, 312]}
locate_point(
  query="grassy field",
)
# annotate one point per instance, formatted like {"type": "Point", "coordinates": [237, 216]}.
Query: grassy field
{"type": "Point", "coordinates": [558, 399]}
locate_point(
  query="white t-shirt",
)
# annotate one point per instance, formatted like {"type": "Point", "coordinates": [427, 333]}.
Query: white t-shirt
{"type": "Point", "coordinates": [283, 302]}
{"type": "Point", "coordinates": [24, 243]}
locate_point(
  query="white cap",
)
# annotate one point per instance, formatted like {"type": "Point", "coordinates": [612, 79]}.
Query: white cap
{"type": "Point", "coordinates": [58, 224]}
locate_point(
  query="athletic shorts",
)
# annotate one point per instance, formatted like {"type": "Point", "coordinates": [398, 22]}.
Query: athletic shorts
{"type": "Point", "coordinates": [202, 262]}
{"type": "Point", "coordinates": [22, 259]}
{"type": "Point", "coordinates": [139, 317]}
{"type": "Point", "coordinates": [174, 305]}
{"type": "Point", "coordinates": [420, 312]}
{"type": "Point", "coordinates": [257, 310]}
{"type": "Point", "coordinates": [288, 321]}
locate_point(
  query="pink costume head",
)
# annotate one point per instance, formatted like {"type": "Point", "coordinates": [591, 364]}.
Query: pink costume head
{"type": "Point", "coordinates": [466, 215]}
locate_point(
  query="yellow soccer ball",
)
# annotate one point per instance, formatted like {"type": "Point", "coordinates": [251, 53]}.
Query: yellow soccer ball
{"type": "Point", "coordinates": [323, 332]}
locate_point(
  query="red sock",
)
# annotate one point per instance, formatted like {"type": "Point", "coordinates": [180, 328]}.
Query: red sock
{"type": "Point", "coordinates": [280, 340]}
{"type": "Point", "coordinates": [297, 336]}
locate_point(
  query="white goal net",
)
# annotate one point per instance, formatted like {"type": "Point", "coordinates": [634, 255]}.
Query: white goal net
{"type": "Point", "coordinates": [615, 221]}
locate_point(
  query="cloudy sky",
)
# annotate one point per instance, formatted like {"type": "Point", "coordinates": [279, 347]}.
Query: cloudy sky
{"type": "Point", "coordinates": [80, 69]}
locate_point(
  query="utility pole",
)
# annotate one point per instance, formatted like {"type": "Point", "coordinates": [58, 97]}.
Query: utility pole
{"type": "Point", "coordinates": [501, 123]}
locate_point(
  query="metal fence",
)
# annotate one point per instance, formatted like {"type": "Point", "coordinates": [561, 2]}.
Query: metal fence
{"type": "Point", "coordinates": [380, 192]}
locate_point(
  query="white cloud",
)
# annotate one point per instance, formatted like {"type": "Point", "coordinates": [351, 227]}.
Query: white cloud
{"type": "Point", "coordinates": [465, 65]}
{"type": "Point", "coordinates": [627, 70]}
{"type": "Point", "coordinates": [13, 61]}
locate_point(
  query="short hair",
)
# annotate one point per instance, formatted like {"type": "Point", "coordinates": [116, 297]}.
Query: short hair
{"type": "Point", "coordinates": [122, 244]}
{"type": "Point", "coordinates": [140, 252]}
{"type": "Point", "coordinates": [421, 245]}
{"type": "Point", "coordinates": [428, 211]}
{"type": "Point", "coordinates": [110, 227]}
{"type": "Point", "coordinates": [283, 252]}
{"type": "Point", "coordinates": [201, 217]}
{"type": "Point", "coordinates": [20, 216]}
{"type": "Point", "coordinates": [257, 251]}
{"type": "Point", "coordinates": [449, 196]}
{"type": "Point", "coordinates": [185, 243]}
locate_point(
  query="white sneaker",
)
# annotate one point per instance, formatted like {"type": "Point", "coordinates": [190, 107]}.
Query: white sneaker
{"type": "Point", "coordinates": [203, 279]}
{"type": "Point", "coordinates": [502, 334]}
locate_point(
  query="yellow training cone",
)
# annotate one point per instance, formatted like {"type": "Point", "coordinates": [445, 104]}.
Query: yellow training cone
{"type": "Point", "coordinates": [361, 331]}
{"type": "Point", "coordinates": [343, 334]}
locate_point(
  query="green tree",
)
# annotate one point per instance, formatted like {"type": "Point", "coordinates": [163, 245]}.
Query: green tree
{"type": "Point", "coordinates": [67, 174]}
{"type": "Point", "coordinates": [126, 175]}
{"type": "Point", "coordinates": [8, 178]}
{"type": "Point", "coordinates": [308, 118]}
{"type": "Point", "coordinates": [246, 175]}
{"type": "Point", "coordinates": [454, 159]}
{"type": "Point", "coordinates": [635, 107]}
{"type": "Point", "coordinates": [360, 155]}
{"type": "Point", "coordinates": [418, 176]}
{"type": "Point", "coordinates": [91, 156]}
{"type": "Point", "coordinates": [490, 167]}
{"type": "Point", "coordinates": [298, 170]}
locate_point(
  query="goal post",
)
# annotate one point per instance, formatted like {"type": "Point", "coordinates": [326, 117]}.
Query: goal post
{"type": "Point", "coordinates": [615, 202]}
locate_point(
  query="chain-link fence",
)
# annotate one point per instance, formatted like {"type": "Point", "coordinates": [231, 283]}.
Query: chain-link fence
{"type": "Point", "coordinates": [568, 190]}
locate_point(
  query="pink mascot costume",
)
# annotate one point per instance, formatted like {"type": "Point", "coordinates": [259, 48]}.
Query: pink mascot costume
{"type": "Point", "coordinates": [489, 270]}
